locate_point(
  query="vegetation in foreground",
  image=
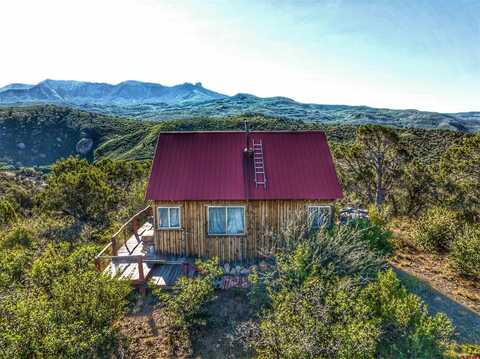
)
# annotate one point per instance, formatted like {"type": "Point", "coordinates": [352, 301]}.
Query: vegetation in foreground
{"type": "Point", "coordinates": [52, 226]}
{"type": "Point", "coordinates": [52, 302]}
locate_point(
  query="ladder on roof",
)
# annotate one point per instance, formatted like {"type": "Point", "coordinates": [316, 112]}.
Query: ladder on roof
{"type": "Point", "coordinates": [259, 164]}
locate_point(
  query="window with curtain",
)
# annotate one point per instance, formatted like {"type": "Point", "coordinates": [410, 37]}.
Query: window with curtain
{"type": "Point", "coordinates": [226, 220]}
{"type": "Point", "coordinates": [168, 217]}
{"type": "Point", "coordinates": [319, 216]}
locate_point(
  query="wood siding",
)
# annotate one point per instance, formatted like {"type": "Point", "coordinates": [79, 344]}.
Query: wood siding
{"type": "Point", "coordinates": [192, 239]}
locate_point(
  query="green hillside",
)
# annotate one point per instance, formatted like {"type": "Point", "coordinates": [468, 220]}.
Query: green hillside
{"type": "Point", "coordinates": [40, 135]}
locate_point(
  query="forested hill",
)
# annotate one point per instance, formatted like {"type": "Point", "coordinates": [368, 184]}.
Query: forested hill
{"type": "Point", "coordinates": [40, 135]}
{"type": "Point", "coordinates": [281, 107]}
{"type": "Point", "coordinates": [150, 101]}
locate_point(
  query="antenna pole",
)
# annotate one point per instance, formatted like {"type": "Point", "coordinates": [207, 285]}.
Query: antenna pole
{"type": "Point", "coordinates": [245, 124]}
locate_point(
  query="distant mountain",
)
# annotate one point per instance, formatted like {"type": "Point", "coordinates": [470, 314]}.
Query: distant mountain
{"type": "Point", "coordinates": [150, 101]}
{"type": "Point", "coordinates": [124, 93]}
{"type": "Point", "coordinates": [16, 87]}
{"type": "Point", "coordinates": [285, 108]}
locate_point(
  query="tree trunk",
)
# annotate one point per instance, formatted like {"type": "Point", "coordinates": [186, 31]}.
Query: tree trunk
{"type": "Point", "coordinates": [379, 191]}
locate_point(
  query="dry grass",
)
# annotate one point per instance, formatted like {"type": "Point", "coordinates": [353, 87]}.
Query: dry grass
{"type": "Point", "coordinates": [434, 269]}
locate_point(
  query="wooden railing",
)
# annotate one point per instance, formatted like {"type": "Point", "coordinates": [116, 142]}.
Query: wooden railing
{"type": "Point", "coordinates": [120, 238]}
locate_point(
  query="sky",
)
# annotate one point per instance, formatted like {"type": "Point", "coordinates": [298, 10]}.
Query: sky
{"type": "Point", "coordinates": [422, 54]}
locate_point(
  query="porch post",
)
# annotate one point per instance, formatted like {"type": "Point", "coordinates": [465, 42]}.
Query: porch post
{"type": "Point", "coordinates": [141, 275]}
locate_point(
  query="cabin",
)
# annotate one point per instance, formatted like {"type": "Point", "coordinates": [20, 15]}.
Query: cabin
{"type": "Point", "coordinates": [216, 194]}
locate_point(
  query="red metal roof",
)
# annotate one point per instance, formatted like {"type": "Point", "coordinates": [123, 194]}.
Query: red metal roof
{"type": "Point", "coordinates": [213, 166]}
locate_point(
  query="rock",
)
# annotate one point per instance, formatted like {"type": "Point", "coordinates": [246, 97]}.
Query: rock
{"type": "Point", "coordinates": [21, 146]}
{"type": "Point", "coordinates": [84, 145]}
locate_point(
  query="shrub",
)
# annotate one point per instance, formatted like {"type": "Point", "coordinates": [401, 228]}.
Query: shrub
{"type": "Point", "coordinates": [297, 252]}
{"type": "Point", "coordinates": [83, 258]}
{"type": "Point", "coordinates": [436, 229]}
{"type": "Point", "coordinates": [408, 330]}
{"type": "Point", "coordinates": [185, 304]}
{"type": "Point", "coordinates": [465, 252]}
{"type": "Point", "coordinates": [379, 215]}
{"type": "Point", "coordinates": [48, 267]}
{"type": "Point", "coordinates": [321, 318]}
{"type": "Point", "coordinates": [13, 264]}
{"type": "Point", "coordinates": [74, 321]}
{"type": "Point", "coordinates": [18, 236]}
{"type": "Point", "coordinates": [375, 235]}
{"type": "Point", "coordinates": [329, 316]}
{"type": "Point", "coordinates": [7, 212]}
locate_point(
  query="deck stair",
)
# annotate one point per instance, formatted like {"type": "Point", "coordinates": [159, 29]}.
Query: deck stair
{"type": "Point", "coordinates": [129, 255]}
{"type": "Point", "coordinates": [259, 164]}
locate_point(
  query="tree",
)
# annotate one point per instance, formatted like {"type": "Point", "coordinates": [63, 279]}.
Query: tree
{"type": "Point", "coordinates": [79, 190]}
{"type": "Point", "coordinates": [122, 174]}
{"type": "Point", "coordinates": [460, 173]}
{"type": "Point", "coordinates": [416, 189]}
{"type": "Point", "coordinates": [373, 162]}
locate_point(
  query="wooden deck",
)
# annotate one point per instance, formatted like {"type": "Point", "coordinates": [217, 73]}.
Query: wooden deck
{"type": "Point", "coordinates": [160, 270]}
{"type": "Point", "coordinates": [165, 274]}
{"type": "Point", "coordinates": [130, 255]}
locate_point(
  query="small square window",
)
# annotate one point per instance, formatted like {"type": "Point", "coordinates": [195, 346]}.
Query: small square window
{"type": "Point", "coordinates": [169, 217]}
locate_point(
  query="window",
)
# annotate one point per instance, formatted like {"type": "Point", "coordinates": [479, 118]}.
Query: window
{"type": "Point", "coordinates": [226, 220]}
{"type": "Point", "coordinates": [168, 217]}
{"type": "Point", "coordinates": [319, 215]}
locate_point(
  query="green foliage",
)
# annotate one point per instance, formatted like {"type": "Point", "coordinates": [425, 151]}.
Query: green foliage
{"type": "Point", "coordinates": [13, 265]}
{"type": "Point", "coordinates": [7, 212]}
{"type": "Point", "coordinates": [79, 190]}
{"type": "Point", "coordinates": [375, 235]}
{"type": "Point", "coordinates": [190, 295]}
{"type": "Point", "coordinates": [379, 215]}
{"type": "Point", "coordinates": [83, 257]}
{"type": "Point", "coordinates": [407, 329]}
{"type": "Point", "coordinates": [371, 165]}
{"type": "Point", "coordinates": [48, 267]}
{"type": "Point", "coordinates": [321, 314]}
{"type": "Point", "coordinates": [121, 174]}
{"type": "Point", "coordinates": [319, 318]}
{"type": "Point", "coordinates": [460, 171]}
{"type": "Point", "coordinates": [52, 303]}
{"type": "Point", "coordinates": [469, 349]}
{"type": "Point", "coordinates": [415, 191]}
{"type": "Point", "coordinates": [74, 321]}
{"type": "Point", "coordinates": [435, 229]}
{"type": "Point", "coordinates": [465, 252]}
{"type": "Point", "coordinates": [186, 303]}
{"type": "Point", "coordinates": [19, 235]}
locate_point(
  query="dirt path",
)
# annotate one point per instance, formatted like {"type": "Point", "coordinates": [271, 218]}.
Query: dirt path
{"type": "Point", "coordinates": [466, 321]}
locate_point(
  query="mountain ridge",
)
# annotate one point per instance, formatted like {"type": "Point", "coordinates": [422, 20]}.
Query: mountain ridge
{"type": "Point", "coordinates": [151, 101]}
{"type": "Point", "coordinates": [123, 93]}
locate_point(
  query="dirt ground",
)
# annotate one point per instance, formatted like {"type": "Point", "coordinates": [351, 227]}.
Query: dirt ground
{"type": "Point", "coordinates": [218, 339]}
{"type": "Point", "coordinates": [431, 277]}
{"type": "Point", "coordinates": [147, 335]}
